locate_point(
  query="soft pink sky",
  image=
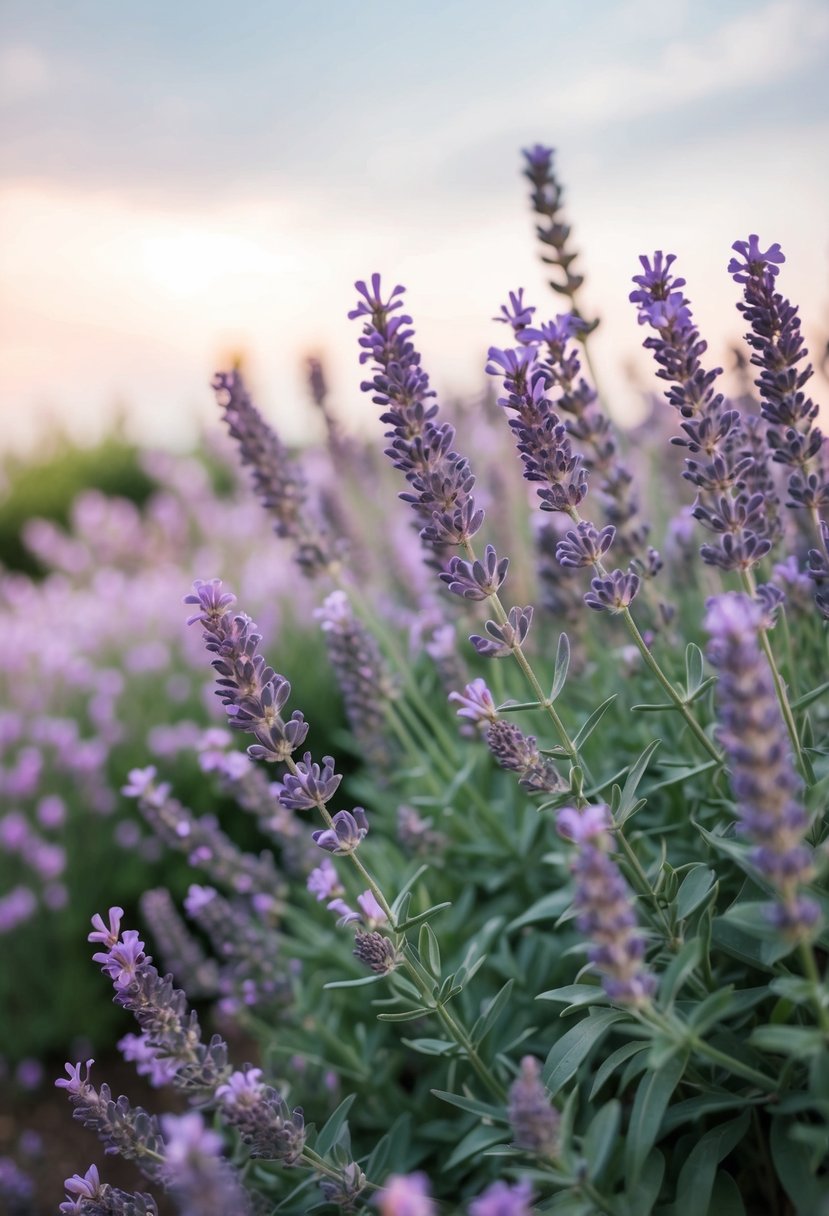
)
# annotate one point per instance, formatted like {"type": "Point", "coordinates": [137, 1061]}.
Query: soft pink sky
{"type": "Point", "coordinates": [194, 182]}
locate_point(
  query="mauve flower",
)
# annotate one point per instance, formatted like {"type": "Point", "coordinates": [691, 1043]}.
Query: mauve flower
{"type": "Point", "coordinates": [405, 1195]}
{"type": "Point", "coordinates": [347, 832]}
{"type": "Point", "coordinates": [501, 1199]}
{"type": "Point", "coordinates": [476, 703]}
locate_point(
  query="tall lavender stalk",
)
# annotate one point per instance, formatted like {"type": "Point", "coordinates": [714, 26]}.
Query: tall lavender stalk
{"type": "Point", "coordinates": [765, 785]}
{"type": "Point", "coordinates": [277, 478]}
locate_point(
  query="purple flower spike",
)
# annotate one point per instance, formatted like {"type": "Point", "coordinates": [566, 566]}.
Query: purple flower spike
{"type": "Point", "coordinates": [613, 593]}
{"type": "Point", "coordinates": [476, 580]}
{"type": "Point", "coordinates": [253, 694]}
{"type": "Point", "coordinates": [441, 481]}
{"type": "Point", "coordinates": [261, 1117]}
{"type": "Point", "coordinates": [766, 788]}
{"type": "Point", "coordinates": [534, 1119]}
{"type": "Point", "coordinates": [506, 637]}
{"type": "Point", "coordinates": [605, 907]}
{"type": "Point", "coordinates": [349, 830]}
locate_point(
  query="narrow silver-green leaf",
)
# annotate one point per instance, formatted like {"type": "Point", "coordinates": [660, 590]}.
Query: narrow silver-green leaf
{"type": "Point", "coordinates": [652, 1097]}
{"type": "Point", "coordinates": [572, 1048]}
{"type": "Point", "coordinates": [601, 1138]}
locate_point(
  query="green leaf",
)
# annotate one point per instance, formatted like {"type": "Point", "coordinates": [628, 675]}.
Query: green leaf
{"type": "Point", "coordinates": [491, 1014]}
{"type": "Point", "coordinates": [429, 950]}
{"type": "Point", "coordinates": [652, 1097]}
{"type": "Point", "coordinates": [694, 668]}
{"type": "Point", "coordinates": [793, 988]}
{"type": "Point", "coordinates": [683, 965]}
{"type": "Point", "coordinates": [637, 770]}
{"type": "Point", "coordinates": [809, 697]}
{"type": "Point", "coordinates": [482, 1109]}
{"type": "Point", "coordinates": [404, 1015]}
{"type": "Point", "coordinates": [572, 1048]}
{"type": "Point", "coordinates": [712, 1010]}
{"type": "Point", "coordinates": [797, 1041]}
{"type": "Point", "coordinates": [474, 1143]}
{"type": "Point", "coordinates": [694, 1109]}
{"type": "Point", "coordinates": [333, 1126]}
{"type": "Point", "coordinates": [422, 916]}
{"type": "Point", "coordinates": [562, 665]}
{"type": "Point", "coordinates": [360, 983]}
{"type": "Point", "coordinates": [601, 1137]}
{"type": "Point", "coordinates": [643, 1193]}
{"type": "Point", "coordinates": [726, 1199]}
{"type": "Point", "coordinates": [575, 995]}
{"type": "Point", "coordinates": [615, 1060]}
{"type": "Point", "coordinates": [696, 1178]}
{"type": "Point", "coordinates": [693, 890]}
{"type": "Point", "coordinates": [549, 907]}
{"type": "Point", "coordinates": [404, 891]}
{"type": "Point", "coordinates": [793, 1163]}
{"type": "Point", "coordinates": [430, 1047]}
{"type": "Point", "coordinates": [592, 722]}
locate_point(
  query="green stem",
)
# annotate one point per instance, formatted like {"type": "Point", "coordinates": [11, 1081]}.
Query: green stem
{"type": "Point", "coordinates": [455, 1030]}
{"type": "Point", "coordinates": [807, 957]}
{"type": "Point", "coordinates": [677, 699]}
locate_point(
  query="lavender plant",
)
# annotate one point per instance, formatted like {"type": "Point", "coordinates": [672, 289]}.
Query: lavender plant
{"type": "Point", "coordinates": [555, 945]}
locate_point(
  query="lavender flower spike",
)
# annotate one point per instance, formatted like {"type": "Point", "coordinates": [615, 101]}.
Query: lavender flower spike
{"type": "Point", "coordinates": [200, 1180]}
{"type": "Point", "coordinates": [252, 693]}
{"type": "Point", "coordinates": [261, 1117]}
{"type": "Point", "coordinates": [605, 907]}
{"type": "Point", "coordinates": [476, 580]}
{"type": "Point", "coordinates": [534, 1119]}
{"type": "Point", "coordinates": [441, 480]}
{"type": "Point", "coordinates": [763, 778]}
{"type": "Point", "coordinates": [94, 1197]}
{"type": "Point", "coordinates": [277, 479]}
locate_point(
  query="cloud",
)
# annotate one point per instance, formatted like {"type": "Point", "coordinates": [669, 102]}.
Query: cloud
{"type": "Point", "coordinates": [758, 48]}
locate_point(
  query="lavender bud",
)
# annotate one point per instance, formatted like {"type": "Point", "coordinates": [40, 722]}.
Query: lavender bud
{"type": "Point", "coordinates": [376, 951]}
{"type": "Point", "coordinates": [348, 831]}
{"type": "Point", "coordinates": [476, 580]}
{"type": "Point", "coordinates": [614, 592]}
{"type": "Point", "coordinates": [507, 637]}
{"type": "Point", "coordinates": [344, 1190]}
{"type": "Point", "coordinates": [585, 545]}
{"type": "Point", "coordinates": [309, 786]}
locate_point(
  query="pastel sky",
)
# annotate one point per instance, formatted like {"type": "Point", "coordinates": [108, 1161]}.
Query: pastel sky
{"type": "Point", "coordinates": [182, 181]}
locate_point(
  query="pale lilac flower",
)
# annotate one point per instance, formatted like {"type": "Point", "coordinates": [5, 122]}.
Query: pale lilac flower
{"type": "Point", "coordinates": [501, 1199]}
{"type": "Point", "coordinates": [476, 703]}
{"type": "Point", "coordinates": [405, 1195]}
